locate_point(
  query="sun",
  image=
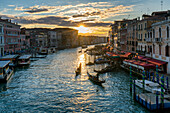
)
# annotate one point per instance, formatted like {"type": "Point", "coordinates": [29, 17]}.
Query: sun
{"type": "Point", "coordinates": [82, 29]}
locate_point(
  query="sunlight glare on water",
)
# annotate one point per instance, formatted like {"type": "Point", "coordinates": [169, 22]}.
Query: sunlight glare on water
{"type": "Point", "coordinates": [50, 85]}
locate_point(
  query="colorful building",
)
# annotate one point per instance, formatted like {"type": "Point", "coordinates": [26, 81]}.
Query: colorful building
{"type": "Point", "coordinates": [11, 36]}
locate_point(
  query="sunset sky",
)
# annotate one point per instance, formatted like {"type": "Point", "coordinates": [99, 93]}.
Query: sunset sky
{"type": "Point", "coordinates": [91, 17]}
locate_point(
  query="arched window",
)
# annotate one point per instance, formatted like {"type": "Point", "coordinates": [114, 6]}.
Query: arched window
{"type": "Point", "coordinates": [159, 49]}
{"type": "Point", "coordinates": [167, 31]}
{"type": "Point", "coordinates": [153, 33]}
{"type": "Point", "coordinates": [160, 33]}
{"type": "Point", "coordinates": [167, 50]}
{"type": "Point", "coordinates": [153, 49]}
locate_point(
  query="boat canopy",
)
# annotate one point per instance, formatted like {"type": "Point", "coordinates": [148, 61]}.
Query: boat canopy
{"type": "Point", "coordinates": [24, 57]}
{"type": "Point", "coordinates": [157, 62]}
{"type": "Point", "coordinates": [4, 63]}
{"type": "Point", "coordinates": [139, 64]}
{"type": "Point", "coordinates": [126, 55]}
{"type": "Point", "coordinates": [9, 57]}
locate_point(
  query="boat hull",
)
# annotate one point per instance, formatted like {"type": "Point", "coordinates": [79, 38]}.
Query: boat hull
{"type": "Point", "coordinates": [94, 79]}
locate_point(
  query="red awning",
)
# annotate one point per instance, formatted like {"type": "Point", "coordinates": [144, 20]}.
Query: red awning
{"type": "Point", "coordinates": [139, 57]}
{"type": "Point", "coordinates": [156, 62]}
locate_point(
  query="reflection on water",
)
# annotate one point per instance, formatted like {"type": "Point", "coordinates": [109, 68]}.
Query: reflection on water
{"type": "Point", "coordinates": [3, 87]}
{"type": "Point", "coordinates": [49, 85]}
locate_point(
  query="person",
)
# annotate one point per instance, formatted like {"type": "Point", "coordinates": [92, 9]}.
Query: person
{"type": "Point", "coordinates": [97, 76]}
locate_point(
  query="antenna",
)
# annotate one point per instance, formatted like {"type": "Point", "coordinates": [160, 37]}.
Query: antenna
{"type": "Point", "coordinates": [161, 5]}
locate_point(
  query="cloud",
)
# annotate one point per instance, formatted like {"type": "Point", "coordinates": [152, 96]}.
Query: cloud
{"type": "Point", "coordinates": [36, 10]}
{"type": "Point", "coordinates": [56, 20]}
{"type": "Point", "coordinates": [11, 5]}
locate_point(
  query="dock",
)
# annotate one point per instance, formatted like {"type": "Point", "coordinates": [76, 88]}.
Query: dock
{"type": "Point", "coordinates": [148, 100]}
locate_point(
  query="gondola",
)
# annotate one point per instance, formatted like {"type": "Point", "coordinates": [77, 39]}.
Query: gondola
{"type": "Point", "coordinates": [78, 70]}
{"type": "Point", "coordinates": [95, 79]}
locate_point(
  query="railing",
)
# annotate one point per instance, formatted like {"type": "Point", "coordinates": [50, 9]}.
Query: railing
{"type": "Point", "coordinates": [148, 39]}
{"type": "Point", "coordinates": [12, 34]}
{"type": "Point", "coordinates": [122, 42]}
{"type": "Point", "coordinates": [13, 42]}
{"type": "Point", "coordinates": [157, 39]}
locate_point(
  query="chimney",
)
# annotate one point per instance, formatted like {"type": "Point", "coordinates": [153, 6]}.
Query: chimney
{"type": "Point", "coordinates": [138, 18]}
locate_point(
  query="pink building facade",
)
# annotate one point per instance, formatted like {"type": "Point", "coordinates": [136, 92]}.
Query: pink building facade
{"type": "Point", "coordinates": [11, 36]}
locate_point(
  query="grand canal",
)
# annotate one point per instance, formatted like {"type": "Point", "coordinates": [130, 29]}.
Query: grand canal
{"type": "Point", "coordinates": [50, 85]}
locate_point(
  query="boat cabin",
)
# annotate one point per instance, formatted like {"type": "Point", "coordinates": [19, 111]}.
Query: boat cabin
{"type": "Point", "coordinates": [5, 72]}
{"type": "Point", "coordinates": [43, 51]}
{"type": "Point", "coordinates": [12, 58]}
{"type": "Point", "coordinates": [24, 60]}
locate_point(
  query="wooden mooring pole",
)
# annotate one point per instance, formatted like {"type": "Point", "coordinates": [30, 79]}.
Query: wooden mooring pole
{"type": "Point", "coordinates": [130, 79]}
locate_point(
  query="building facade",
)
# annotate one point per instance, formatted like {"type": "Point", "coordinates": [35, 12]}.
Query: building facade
{"type": "Point", "coordinates": [11, 36]}
{"type": "Point", "coordinates": [161, 42]}
{"type": "Point", "coordinates": [1, 40]}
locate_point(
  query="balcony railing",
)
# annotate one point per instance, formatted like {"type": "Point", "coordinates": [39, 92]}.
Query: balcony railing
{"type": "Point", "coordinates": [13, 42]}
{"type": "Point", "coordinates": [157, 39]}
{"type": "Point", "coordinates": [122, 42]}
{"type": "Point", "coordinates": [148, 39]}
{"type": "Point", "coordinates": [139, 39]}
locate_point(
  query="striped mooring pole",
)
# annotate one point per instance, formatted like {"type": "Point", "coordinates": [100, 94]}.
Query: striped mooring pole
{"type": "Point", "coordinates": [134, 90]}
{"type": "Point", "coordinates": [157, 76]}
{"type": "Point", "coordinates": [131, 79]}
{"type": "Point", "coordinates": [162, 91]}
{"type": "Point", "coordinates": [157, 100]}
{"type": "Point", "coordinates": [153, 79]}
{"type": "Point", "coordinates": [143, 77]}
{"type": "Point", "coordinates": [149, 76]}
{"type": "Point", "coordinates": [167, 84]}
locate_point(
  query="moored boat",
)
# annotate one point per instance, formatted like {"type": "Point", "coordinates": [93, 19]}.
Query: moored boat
{"type": "Point", "coordinates": [95, 79]}
{"type": "Point", "coordinates": [149, 86]}
{"type": "Point", "coordinates": [5, 71]}
{"type": "Point", "coordinates": [12, 58]}
{"type": "Point", "coordinates": [24, 60]}
{"type": "Point", "coordinates": [78, 70]}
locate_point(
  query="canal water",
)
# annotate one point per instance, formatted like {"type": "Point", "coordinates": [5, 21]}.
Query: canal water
{"type": "Point", "coordinates": [50, 85]}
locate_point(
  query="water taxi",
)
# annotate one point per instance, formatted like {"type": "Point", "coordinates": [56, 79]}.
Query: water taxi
{"type": "Point", "coordinates": [12, 58]}
{"type": "Point", "coordinates": [24, 60]}
{"type": "Point", "coordinates": [5, 71]}
{"type": "Point", "coordinates": [149, 86]}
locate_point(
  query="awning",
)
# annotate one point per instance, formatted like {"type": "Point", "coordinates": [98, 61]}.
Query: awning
{"type": "Point", "coordinates": [139, 57]}
{"type": "Point", "coordinates": [156, 62]}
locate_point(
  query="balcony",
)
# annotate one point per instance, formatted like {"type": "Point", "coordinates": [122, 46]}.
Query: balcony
{"type": "Point", "coordinates": [122, 42]}
{"type": "Point", "coordinates": [139, 39]}
{"type": "Point", "coordinates": [12, 34]}
{"type": "Point", "coordinates": [13, 42]}
{"type": "Point", "coordinates": [148, 39]}
{"type": "Point", "coordinates": [158, 40]}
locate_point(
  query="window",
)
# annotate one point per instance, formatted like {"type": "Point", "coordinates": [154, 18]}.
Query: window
{"type": "Point", "coordinates": [145, 35]}
{"type": "Point", "coordinates": [153, 33]}
{"type": "Point", "coordinates": [160, 32]}
{"type": "Point", "coordinates": [167, 30]}
{"type": "Point", "coordinates": [141, 27]}
{"type": "Point", "coordinates": [167, 51]}
{"type": "Point", "coordinates": [0, 29]}
{"type": "Point", "coordinates": [1, 40]}
{"type": "Point", "coordinates": [141, 36]}
{"type": "Point", "coordinates": [153, 49]}
{"type": "Point", "coordinates": [145, 25]}
{"type": "Point", "coordinates": [159, 49]}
